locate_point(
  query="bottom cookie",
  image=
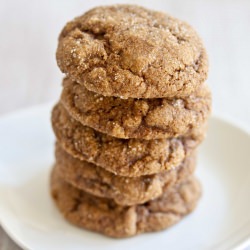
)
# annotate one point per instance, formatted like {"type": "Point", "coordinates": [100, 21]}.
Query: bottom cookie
{"type": "Point", "coordinates": [105, 216]}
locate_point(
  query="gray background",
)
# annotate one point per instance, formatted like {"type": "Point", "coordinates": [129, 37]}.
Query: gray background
{"type": "Point", "coordinates": [29, 30]}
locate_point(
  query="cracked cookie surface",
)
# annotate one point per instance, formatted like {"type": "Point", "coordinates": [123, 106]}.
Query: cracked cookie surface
{"type": "Point", "coordinates": [130, 51]}
{"type": "Point", "coordinates": [137, 118]}
{"type": "Point", "coordinates": [123, 190]}
{"type": "Point", "coordinates": [105, 216]}
{"type": "Point", "coordinates": [136, 157]}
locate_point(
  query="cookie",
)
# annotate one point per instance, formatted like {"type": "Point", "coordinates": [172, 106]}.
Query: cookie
{"type": "Point", "coordinates": [105, 216]}
{"type": "Point", "coordinates": [137, 118]}
{"type": "Point", "coordinates": [136, 157]}
{"type": "Point", "coordinates": [129, 51]}
{"type": "Point", "coordinates": [123, 190]}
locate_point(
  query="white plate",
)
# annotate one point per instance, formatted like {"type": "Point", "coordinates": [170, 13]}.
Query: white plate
{"type": "Point", "coordinates": [221, 221]}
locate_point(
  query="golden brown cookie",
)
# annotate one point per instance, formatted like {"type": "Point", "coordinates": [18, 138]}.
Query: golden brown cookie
{"type": "Point", "coordinates": [130, 51]}
{"type": "Point", "coordinates": [135, 157]}
{"type": "Point", "coordinates": [123, 190]}
{"type": "Point", "coordinates": [137, 118]}
{"type": "Point", "coordinates": [105, 216]}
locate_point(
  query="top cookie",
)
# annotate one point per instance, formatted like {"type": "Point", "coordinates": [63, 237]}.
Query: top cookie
{"type": "Point", "coordinates": [129, 51]}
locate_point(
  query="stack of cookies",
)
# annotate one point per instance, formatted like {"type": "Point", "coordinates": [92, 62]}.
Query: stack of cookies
{"type": "Point", "coordinates": [132, 112]}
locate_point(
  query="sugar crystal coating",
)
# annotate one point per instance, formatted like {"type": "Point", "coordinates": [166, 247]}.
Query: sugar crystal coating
{"type": "Point", "coordinates": [130, 51]}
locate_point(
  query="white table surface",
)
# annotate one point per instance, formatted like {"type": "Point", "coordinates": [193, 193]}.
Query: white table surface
{"type": "Point", "coordinates": [28, 40]}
